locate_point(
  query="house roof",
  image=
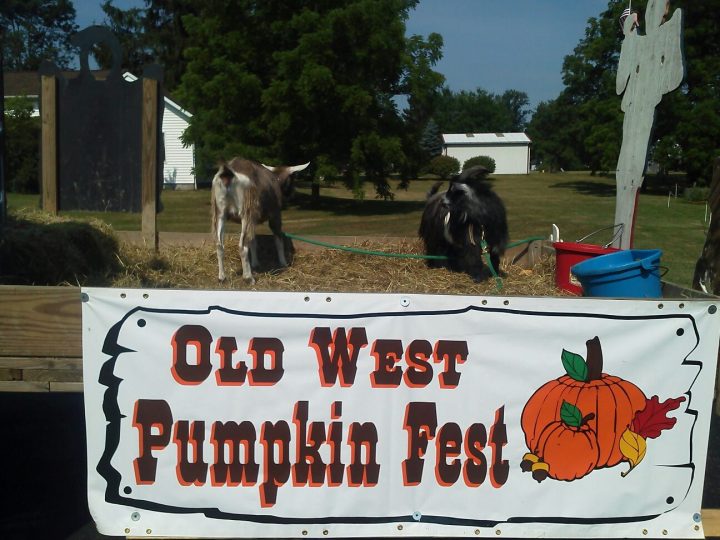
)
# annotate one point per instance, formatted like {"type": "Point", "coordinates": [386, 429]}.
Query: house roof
{"type": "Point", "coordinates": [471, 139]}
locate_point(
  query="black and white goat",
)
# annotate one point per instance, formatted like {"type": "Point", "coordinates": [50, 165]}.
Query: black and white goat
{"type": "Point", "coordinates": [463, 223]}
{"type": "Point", "coordinates": [249, 193]}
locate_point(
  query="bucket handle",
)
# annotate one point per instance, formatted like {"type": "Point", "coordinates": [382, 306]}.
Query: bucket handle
{"type": "Point", "coordinates": [619, 226]}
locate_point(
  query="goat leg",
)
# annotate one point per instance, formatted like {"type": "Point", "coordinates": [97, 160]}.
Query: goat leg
{"type": "Point", "coordinates": [244, 252]}
{"type": "Point", "coordinates": [220, 245]}
{"type": "Point", "coordinates": [276, 228]}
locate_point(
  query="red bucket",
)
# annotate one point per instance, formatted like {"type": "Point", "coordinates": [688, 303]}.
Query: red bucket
{"type": "Point", "coordinates": [568, 254]}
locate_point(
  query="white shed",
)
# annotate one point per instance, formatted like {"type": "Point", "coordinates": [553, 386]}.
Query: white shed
{"type": "Point", "coordinates": [511, 151]}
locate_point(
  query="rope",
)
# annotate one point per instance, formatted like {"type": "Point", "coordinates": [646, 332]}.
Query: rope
{"type": "Point", "coordinates": [364, 251]}
{"type": "Point", "coordinates": [498, 279]}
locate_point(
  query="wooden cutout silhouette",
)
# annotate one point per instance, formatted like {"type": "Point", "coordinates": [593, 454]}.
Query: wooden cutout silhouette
{"type": "Point", "coordinates": [650, 66]}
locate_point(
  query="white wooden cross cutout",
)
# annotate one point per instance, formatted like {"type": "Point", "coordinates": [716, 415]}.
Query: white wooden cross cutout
{"type": "Point", "coordinates": [650, 66]}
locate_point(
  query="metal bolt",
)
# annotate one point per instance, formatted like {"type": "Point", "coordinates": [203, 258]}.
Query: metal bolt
{"type": "Point", "coordinates": [645, 531]}
{"type": "Point", "coordinates": [665, 532]}
{"type": "Point", "coordinates": [696, 527]}
{"type": "Point", "coordinates": [127, 531]}
{"type": "Point", "coordinates": [304, 533]}
{"type": "Point", "coordinates": [477, 531]}
{"type": "Point", "coordinates": [149, 531]}
{"type": "Point", "coordinates": [326, 532]}
{"type": "Point", "coordinates": [84, 297]}
{"type": "Point", "coordinates": [498, 532]}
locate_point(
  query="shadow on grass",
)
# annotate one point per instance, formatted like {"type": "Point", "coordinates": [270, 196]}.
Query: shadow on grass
{"type": "Point", "coordinates": [585, 187]}
{"type": "Point", "coordinates": [352, 207]}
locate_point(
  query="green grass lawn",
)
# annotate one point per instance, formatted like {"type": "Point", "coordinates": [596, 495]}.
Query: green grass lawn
{"type": "Point", "coordinates": [577, 202]}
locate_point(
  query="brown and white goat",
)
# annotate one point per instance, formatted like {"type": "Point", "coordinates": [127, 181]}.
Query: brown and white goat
{"type": "Point", "coordinates": [249, 193]}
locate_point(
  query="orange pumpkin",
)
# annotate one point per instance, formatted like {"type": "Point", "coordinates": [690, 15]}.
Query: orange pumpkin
{"type": "Point", "coordinates": [612, 402]}
{"type": "Point", "coordinates": [569, 449]}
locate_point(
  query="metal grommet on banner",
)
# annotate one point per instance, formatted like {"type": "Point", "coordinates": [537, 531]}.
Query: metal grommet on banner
{"type": "Point", "coordinates": [404, 302]}
{"type": "Point", "coordinates": [696, 517]}
{"type": "Point", "coordinates": [417, 516]}
{"type": "Point", "coordinates": [84, 297]}
{"type": "Point", "coordinates": [135, 516]}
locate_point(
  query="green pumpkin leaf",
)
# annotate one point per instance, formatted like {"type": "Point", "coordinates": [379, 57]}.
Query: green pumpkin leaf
{"type": "Point", "coordinates": [571, 415]}
{"type": "Point", "coordinates": [575, 366]}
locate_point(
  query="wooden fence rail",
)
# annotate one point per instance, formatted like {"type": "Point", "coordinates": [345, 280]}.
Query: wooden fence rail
{"type": "Point", "coordinates": [40, 339]}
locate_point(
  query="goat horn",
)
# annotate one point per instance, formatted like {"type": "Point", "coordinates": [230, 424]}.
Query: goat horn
{"type": "Point", "coordinates": [298, 168]}
{"type": "Point", "coordinates": [470, 233]}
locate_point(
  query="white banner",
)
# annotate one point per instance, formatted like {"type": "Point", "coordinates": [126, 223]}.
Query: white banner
{"type": "Point", "coordinates": [243, 414]}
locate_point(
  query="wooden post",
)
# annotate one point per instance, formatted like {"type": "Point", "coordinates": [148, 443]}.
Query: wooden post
{"type": "Point", "coordinates": [149, 162]}
{"type": "Point", "coordinates": [48, 107]}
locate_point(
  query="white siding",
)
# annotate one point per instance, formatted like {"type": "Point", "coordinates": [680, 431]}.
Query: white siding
{"type": "Point", "coordinates": [179, 160]}
{"type": "Point", "coordinates": [511, 151]}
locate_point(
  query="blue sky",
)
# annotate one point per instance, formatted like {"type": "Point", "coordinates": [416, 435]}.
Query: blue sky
{"type": "Point", "coordinates": [496, 45]}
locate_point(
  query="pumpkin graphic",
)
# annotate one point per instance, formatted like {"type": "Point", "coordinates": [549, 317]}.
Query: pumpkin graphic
{"type": "Point", "coordinates": [609, 403]}
{"type": "Point", "coordinates": [568, 446]}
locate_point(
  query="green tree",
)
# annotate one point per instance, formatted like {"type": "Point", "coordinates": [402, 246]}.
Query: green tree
{"type": "Point", "coordinates": [431, 142]}
{"type": "Point", "coordinates": [697, 108]}
{"type": "Point", "coordinates": [585, 122]}
{"type": "Point", "coordinates": [312, 81]}
{"type": "Point", "coordinates": [21, 146]}
{"type": "Point", "coordinates": [484, 161]}
{"type": "Point", "coordinates": [444, 166]}
{"type": "Point", "coordinates": [35, 30]}
{"type": "Point", "coordinates": [155, 33]}
{"type": "Point", "coordinates": [480, 111]}
{"type": "Point", "coordinates": [553, 132]}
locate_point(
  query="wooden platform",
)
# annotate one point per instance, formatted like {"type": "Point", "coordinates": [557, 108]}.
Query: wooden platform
{"type": "Point", "coordinates": [41, 348]}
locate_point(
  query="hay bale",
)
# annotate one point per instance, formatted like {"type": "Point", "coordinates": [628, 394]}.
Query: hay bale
{"type": "Point", "coordinates": [38, 248]}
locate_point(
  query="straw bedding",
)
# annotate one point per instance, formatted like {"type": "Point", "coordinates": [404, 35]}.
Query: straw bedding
{"type": "Point", "coordinates": [44, 250]}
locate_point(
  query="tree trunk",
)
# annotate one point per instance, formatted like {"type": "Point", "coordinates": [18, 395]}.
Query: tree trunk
{"type": "Point", "coordinates": [315, 191]}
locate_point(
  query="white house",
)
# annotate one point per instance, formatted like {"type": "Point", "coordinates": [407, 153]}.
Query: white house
{"type": "Point", "coordinates": [179, 160]}
{"type": "Point", "coordinates": [179, 163]}
{"type": "Point", "coordinates": [511, 151]}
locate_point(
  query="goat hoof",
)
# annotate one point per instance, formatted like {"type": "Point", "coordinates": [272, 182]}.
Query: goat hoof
{"type": "Point", "coordinates": [221, 279]}
{"type": "Point", "coordinates": [250, 280]}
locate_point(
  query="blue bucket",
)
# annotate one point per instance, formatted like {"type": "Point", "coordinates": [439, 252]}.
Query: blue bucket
{"type": "Point", "coordinates": [633, 273]}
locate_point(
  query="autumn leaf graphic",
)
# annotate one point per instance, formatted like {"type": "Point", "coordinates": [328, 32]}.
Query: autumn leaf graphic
{"type": "Point", "coordinates": [647, 424]}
